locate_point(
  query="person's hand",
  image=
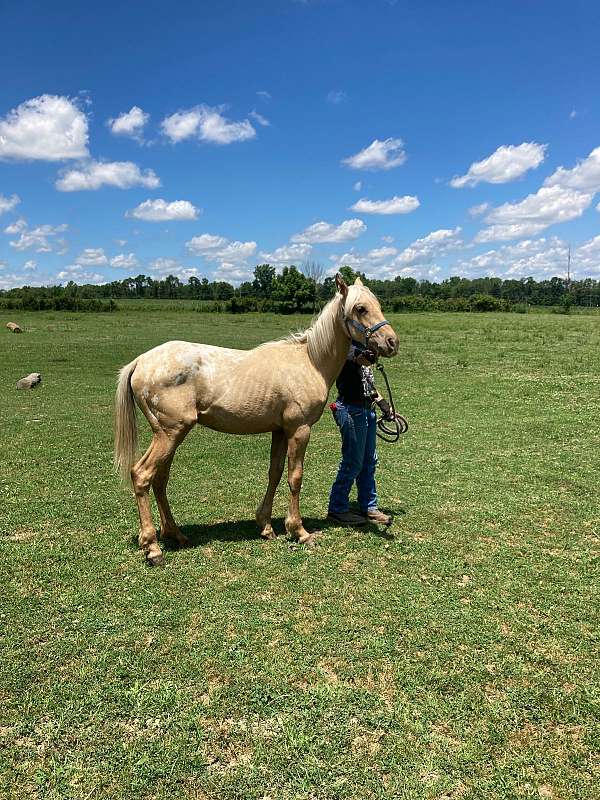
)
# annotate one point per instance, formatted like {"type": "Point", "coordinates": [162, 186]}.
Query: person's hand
{"type": "Point", "coordinates": [363, 361]}
{"type": "Point", "coordinates": [366, 358]}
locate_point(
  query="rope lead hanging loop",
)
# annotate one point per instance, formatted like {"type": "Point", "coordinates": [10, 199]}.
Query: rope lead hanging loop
{"type": "Point", "coordinates": [390, 430]}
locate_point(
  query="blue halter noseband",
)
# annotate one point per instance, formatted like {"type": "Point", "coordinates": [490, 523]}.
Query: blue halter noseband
{"type": "Point", "coordinates": [367, 332]}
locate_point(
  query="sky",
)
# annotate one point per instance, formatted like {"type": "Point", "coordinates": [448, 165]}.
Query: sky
{"type": "Point", "coordinates": [423, 139]}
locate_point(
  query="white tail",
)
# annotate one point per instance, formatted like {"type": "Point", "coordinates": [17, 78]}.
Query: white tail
{"type": "Point", "coordinates": [125, 423]}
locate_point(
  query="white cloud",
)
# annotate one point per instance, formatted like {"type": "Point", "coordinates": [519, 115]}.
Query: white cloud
{"type": "Point", "coordinates": [235, 252]}
{"type": "Point", "coordinates": [77, 274]}
{"type": "Point", "coordinates": [388, 239]}
{"type": "Point", "coordinates": [30, 266]}
{"type": "Point", "coordinates": [586, 258]}
{"type": "Point", "coordinates": [564, 196]}
{"type": "Point", "coordinates": [199, 245]}
{"type": "Point", "coordinates": [423, 250]}
{"type": "Point", "coordinates": [573, 114]}
{"type": "Point", "coordinates": [207, 124]}
{"type": "Point", "coordinates": [40, 239]}
{"type": "Point", "coordinates": [91, 257]}
{"type": "Point", "coordinates": [131, 123]}
{"type": "Point", "coordinates": [505, 164]}
{"type": "Point", "coordinates": [358, 186]}
{"type": "Point", "coordinates": [541, 259]}
{"type": "Point", "coordinates": [123, 261]}
{"type": "Point", "coordinates": [538, 258]}
{"type": "Point", "coordinates": [16, 227]}
{"type": "Point", "coordinates": [264, 95]}
{"type": "Point", "coordinates": [232, 273]}
{"type": "Point", "coordinates": [12, 280]}
{"type": "Point", "coordinates": [416, 260]}
{"type": "Point", "coordinates": [379, 253]}
{"type": "Point", "coordinates": [289, 254]}
{"type": "Point", "coordinates": [161, 211]}
{"type": "Point", "coordinates": [547, 206]}
{"type": "Point", "coordinates": [336, 96]}
{"type": "Point", "coordinates": [95, 174]}
{"type": "Point", "coordinates": [218, 248]}
{"type": "Point", "coordinates": [395, 205]}
{"type": "Point", "coordinates": [259, 118]}
{"type": "Point", "coordinates": [326, 232]}
{"type": "Point", "coordinates": [8, 203]}
{"type": "Point", "coordinates": [584, 177]}
{"type": "Point", "coordinates": [45, 128]}
{"type": "Point", "coordinates": [479, 211]}
{"type": "Point", "coordinates": [170, 266]}
{"type": "Point", "coordinates": [384, 155]}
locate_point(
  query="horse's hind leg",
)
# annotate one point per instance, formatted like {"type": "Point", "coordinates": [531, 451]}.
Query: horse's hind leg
{"type": "Point", "coordinates": [265, 509]}
{"type": "Point", "coordinates": [143, 474]}
{"type": "Point", "coordinates": [168, 526]}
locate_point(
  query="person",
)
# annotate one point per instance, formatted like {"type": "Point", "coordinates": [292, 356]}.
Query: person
{"type": "Point", "coordinates": [357, 421]}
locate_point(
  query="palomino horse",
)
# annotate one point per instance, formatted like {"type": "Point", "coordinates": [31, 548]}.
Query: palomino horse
{"type": "Point", "coordinates": [280, 386]}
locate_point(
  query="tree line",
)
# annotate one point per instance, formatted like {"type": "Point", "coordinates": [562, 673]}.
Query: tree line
{"type": "Point", "coordinates": [305, 290]}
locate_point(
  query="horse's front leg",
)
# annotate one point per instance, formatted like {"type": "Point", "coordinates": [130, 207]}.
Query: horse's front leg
{"type": "Point", "coordinates": [297, 443]}
{"type": "Point", "coordinates": [265, 509]}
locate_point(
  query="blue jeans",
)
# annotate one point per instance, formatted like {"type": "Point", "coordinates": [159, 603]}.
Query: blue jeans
{"type": "Point", "coordinates": [359, 458]}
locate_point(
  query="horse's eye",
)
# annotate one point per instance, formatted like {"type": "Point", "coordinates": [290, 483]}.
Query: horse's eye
{"type": "Point", "coordinates": [361, 310]}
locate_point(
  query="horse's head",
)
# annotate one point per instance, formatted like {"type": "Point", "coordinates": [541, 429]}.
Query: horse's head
{"type": "Point", "coordinates": [364, 319]}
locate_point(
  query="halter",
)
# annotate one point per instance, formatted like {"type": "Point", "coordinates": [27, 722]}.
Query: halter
{"type": "Point", "coordinates": [367, 332]}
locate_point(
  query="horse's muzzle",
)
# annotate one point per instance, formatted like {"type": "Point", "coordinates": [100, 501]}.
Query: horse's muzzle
{"type": "Point", "coordinates": [387, 346]}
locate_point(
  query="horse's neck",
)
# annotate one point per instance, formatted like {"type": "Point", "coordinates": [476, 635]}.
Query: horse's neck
{"type": "Point", "coordinates": [331, 360]}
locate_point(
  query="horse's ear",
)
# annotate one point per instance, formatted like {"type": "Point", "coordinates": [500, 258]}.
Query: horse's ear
{"type": "Point", "coordinates": [341, 284]}
{"type": "Point", "coordinates": [358, 282]}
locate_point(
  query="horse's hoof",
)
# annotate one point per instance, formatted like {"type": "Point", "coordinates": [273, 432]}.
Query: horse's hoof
{"type": "Point", "coordinates": [308, 539]}
{"type": "Point", "coordinates": [156, 561]}
{"type": "Point", "coordinates": [268, 533]}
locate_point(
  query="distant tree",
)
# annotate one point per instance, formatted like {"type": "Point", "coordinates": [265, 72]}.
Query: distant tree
{"type": "Point", "coordinates": [222, 290]}
{"type": "Point", "coordinates": [350, 275]}
{"type": "Point", "coordinates": [195, 287]}
{"type": "Point", "coordinates": [246, 289]}
{"type": "Point", "coordinates": [293, 289]}
{"type": "Point", "coordinates": [327, 288]}
{"type": "Point", "coordinates": [264, 275]}
{"type": "Point", "coordinates": [314, 271]}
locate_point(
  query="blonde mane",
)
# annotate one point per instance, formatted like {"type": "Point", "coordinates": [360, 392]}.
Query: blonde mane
{"type": "Point", "coordinates": [321, 333]}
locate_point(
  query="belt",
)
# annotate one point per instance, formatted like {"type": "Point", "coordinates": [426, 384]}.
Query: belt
{"type": "Point", "coordinates": [363, 402]}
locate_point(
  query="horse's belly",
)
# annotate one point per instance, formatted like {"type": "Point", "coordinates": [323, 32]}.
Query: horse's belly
{"type": "Point", "coordinates": [239, 422]}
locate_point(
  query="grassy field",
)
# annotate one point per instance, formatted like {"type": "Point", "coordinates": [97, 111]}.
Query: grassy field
{"type": "Point", "coordinates": [451, 659]}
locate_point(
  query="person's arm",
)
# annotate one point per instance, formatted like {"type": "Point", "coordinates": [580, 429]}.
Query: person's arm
{"type": "Point", "coordinates": [384, 406]}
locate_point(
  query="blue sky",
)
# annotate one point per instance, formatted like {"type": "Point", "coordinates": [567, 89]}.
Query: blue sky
{"type": "Point", "coordinates": [424, 139]}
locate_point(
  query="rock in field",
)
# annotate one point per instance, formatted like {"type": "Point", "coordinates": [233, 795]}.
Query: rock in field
{"type": "Point", "coordinates": [29, 381]}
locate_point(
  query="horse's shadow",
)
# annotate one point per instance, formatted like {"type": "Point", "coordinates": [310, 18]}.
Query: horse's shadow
{"type": "Point", "coordinates": [247, 529]}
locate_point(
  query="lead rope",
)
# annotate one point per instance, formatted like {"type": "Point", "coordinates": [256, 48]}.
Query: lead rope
{"type": "Point", "coordinates": [390, 430]}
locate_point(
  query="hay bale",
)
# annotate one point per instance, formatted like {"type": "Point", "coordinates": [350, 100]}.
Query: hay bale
{"type": "Point", "coordinates": [12, 326]}
{"type": "Point", "coordinates": [29, 381]}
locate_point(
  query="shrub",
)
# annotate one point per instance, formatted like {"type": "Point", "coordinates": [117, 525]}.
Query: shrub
{"type": "Point", "coordinates": [485, 302]}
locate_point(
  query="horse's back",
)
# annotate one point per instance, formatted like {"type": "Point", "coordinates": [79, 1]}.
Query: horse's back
{"type": "Point", "coordinates": [237, 391]}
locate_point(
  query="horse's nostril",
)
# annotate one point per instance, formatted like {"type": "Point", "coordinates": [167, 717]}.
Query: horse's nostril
{"type": "Point", "coordinates": [391, 342]}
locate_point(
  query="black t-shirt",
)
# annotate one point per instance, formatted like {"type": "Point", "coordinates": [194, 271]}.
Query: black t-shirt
{"type": "Point", "coordinates": [355, 382]}
{"type": "Point", "coordinates": [349, 383]}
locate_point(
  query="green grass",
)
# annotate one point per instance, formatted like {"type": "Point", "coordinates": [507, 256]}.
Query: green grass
{"type": "Point", "coordinates": [453, 659]}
